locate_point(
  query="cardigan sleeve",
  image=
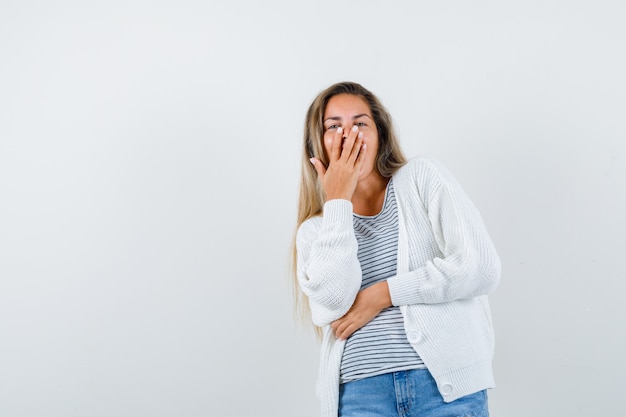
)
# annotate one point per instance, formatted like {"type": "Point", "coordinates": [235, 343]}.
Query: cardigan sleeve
{"type": "Point", "coordinates": [468, 265]}
{"type": "Point", "coordinates": [328, 269]}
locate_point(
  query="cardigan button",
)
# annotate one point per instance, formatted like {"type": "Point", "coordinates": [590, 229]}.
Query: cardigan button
{"type": "Point", "coordinates": [415, 336]}
{"type": "Point", "coordinates": [446, 389]}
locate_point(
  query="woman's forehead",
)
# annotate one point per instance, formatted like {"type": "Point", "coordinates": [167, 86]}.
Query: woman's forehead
{"type": "Point", "coordinates": [346, 104]}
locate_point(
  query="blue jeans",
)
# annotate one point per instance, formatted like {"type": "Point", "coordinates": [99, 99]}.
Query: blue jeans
{"type": "Point", "coordinates": [405, 394]}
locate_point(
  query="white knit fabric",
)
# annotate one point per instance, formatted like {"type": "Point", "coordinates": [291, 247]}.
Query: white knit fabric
{"type": "Point", "coordinates": [446, 266]}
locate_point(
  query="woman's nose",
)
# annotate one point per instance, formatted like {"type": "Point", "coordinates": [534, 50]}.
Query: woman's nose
{"type": "Point", "coordinates": [347, 130]}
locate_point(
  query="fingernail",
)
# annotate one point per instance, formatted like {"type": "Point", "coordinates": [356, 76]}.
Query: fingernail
{"type": "Point", "coordinates": [312, 161]}
{"type": "Point", "coordinates": [355, 128]}
{"type": "Point", "coordinates": [360, 134]}
{"type": "Point", "coordinates": [339, 130]}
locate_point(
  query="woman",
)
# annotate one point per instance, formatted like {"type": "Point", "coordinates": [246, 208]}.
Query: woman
{"type": "Point", "coordinates": [394, 264]}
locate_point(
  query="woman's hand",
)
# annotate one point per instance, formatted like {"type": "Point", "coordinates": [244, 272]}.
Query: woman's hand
{"type": "Point", "coordinates": [368, 303]}
{"type": "Point", "coordinates": [345, 159]}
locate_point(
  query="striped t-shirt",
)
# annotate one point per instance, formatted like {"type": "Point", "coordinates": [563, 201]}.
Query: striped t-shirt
{"type": "Point", "coordinates": [381, 345]}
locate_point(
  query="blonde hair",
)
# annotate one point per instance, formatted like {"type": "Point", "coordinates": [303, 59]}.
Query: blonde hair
{"type": "Point", "coordinates": [311, 197]}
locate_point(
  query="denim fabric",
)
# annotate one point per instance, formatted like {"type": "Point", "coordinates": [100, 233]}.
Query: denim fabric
{"type": "Point", "coordinates": [405, 394]}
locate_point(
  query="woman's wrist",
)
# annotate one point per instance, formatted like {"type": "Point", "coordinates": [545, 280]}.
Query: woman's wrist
{"type": "Point", "coordinates": [382, 296]}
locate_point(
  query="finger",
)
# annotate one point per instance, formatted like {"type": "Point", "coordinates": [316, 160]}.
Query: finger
{"type": "Point", "coordinates": [335, 325]}
{"type": "Point", "coordinates": [341, 327]}
{"type": "Point", "coordinates": [335, 148]}
{"type": "Point", "coordinates": [357, 148]}
{"type": "Point", "coordinates": [347, 332]}
{"type": "Point", "coordinates": [319, 167]}
{"type": "Point", "coordinates": [361, 155]}
{"type": "Point", "coordinates": [348, 144]}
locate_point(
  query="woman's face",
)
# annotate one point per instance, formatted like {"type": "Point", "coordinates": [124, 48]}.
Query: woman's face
{"type": "Point", "coordinates": [346, 111]}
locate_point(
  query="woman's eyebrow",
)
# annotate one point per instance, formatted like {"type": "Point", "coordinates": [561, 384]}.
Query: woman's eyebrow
{"type": "Point", "coordinates": [353, 117]}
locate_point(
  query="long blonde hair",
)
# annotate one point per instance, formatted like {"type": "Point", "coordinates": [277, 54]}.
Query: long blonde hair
{"type": "Point", "coordinates": [311, 197]}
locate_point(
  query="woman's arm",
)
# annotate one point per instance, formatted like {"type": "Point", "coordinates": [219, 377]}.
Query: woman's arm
{"type": "Point", "coordinates": [368, 303]}
{"type": "Point", "coordinates": [469, 265]}
{"type": "Point", "coordinates": [328, 269]}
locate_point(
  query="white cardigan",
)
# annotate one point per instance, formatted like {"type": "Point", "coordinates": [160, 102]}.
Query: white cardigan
{"type": "Point", "coordinates": [446, 266]}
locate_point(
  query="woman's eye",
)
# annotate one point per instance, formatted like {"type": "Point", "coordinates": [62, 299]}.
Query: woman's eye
{"type": "Point", "coordinates": [360, 124]}
{"type": "Point", "coordinates": [332, 127]}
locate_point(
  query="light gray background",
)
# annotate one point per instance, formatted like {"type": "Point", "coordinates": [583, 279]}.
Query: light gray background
{"type": "Point", "coordinates": [149, 159]}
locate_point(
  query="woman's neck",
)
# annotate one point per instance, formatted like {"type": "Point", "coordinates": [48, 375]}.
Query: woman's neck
{"type": "Point", "coordinates": [369, 196]}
